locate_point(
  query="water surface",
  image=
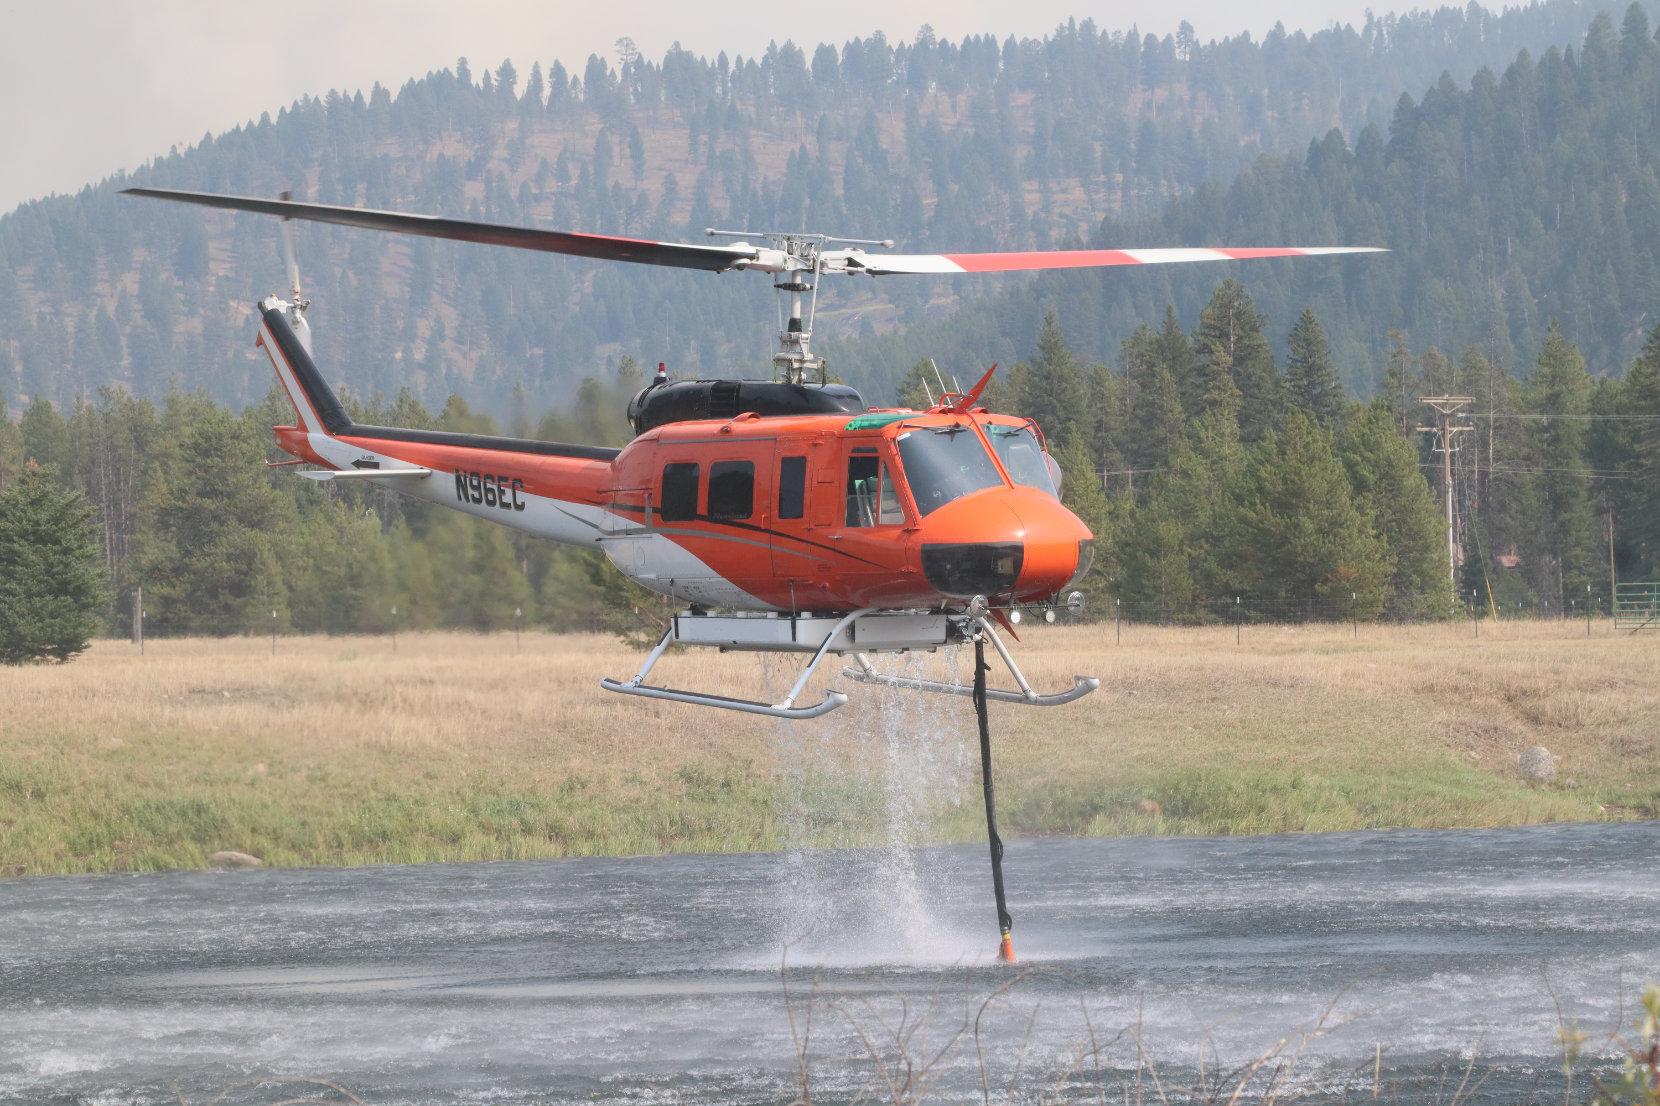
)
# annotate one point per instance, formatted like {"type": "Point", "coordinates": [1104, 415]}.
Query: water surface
{"type": "Point", "coordinates": [658, 979]}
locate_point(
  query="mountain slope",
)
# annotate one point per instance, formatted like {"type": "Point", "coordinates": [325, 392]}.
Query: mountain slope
{"type": "Point", "coordinates": [1509, 203]}
{"type": "Point", "coordinates": [972, 144]}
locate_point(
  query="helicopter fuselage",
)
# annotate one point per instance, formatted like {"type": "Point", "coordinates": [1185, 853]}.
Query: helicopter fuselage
{"type": "Point", "coordinates": [823, 512]}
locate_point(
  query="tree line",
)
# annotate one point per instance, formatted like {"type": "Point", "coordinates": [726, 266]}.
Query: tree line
{"type": "Point", "coordinates": [1218, 474]}
{"type": "Point", "coordinates": [178, 501]}
{"type": "Point", "coordinates": [1212, 472]}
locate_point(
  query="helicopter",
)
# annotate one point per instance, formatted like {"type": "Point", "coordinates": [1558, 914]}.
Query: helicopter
{"type": "Point", "coordinates": [787, 515]}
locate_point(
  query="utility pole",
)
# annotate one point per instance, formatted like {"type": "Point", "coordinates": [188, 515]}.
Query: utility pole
{"type": "Point", "coordinates": [1613, 579]}
{"type": "Point", "coordinates": [1446, 431]}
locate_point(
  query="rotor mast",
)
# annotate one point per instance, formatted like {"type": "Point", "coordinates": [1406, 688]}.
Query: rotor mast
{"type": "Point", "coordinates": [797, 261]}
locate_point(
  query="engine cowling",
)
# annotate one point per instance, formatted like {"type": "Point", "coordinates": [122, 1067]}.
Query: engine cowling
{"type": "Point", "coordinates": [688, 400]}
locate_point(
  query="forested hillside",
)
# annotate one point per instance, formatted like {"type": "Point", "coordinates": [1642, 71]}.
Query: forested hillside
{"type": "Point", "coordinates": [1518, 200]}
{"type": "Point", "coordinates": [977, 143]}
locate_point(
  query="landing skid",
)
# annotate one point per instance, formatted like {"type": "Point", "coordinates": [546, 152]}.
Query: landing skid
{"type": "Point", "coordinates": [858, 634]}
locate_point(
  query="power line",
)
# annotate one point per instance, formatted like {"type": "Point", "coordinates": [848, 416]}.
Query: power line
{"type": "Point", "coordinates": [1601, 474]}
{"type": "Point", "coordinates": [1581, 418]}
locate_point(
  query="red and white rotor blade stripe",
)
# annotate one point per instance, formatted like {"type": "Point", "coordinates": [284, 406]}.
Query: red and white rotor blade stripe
{"type": "Point", "coordinates": [857, 261]}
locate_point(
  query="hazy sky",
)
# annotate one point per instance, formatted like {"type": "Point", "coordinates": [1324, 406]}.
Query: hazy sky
{"type": "Point", "coordinates": [93, 87]}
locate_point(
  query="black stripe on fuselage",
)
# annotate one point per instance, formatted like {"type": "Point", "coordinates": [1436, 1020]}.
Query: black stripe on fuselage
{"type": "Point", "coordinates": [752, 528]}
{"type": "Point", "coordinates": [340, 424]}
{"type": "Point", "coordinates": [481, 441]}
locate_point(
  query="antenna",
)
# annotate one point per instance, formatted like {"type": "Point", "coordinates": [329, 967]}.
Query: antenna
{"type": "Point", "coordinates": [937, 375]}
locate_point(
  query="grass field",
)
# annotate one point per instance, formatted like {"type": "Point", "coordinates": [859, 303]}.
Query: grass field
{"type": "Point", "coordinates": [451, 747]}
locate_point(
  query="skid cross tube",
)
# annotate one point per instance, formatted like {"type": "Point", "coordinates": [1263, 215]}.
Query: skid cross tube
{"type": "Point", "coordinates": [785, 708]}
{"type": "Point", "coordinates": [1081, 685]}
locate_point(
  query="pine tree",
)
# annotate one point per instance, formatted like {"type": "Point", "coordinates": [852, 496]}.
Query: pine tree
{"type": "Point", "coordinates": [1177, 544]}
{"type": "Point", "coordinates": [1302, 539]}
{"type": "Point", "coordinates": [1564, 543]}
{"type": "Point", "coordinates": [1174, 350]}
{"type": "Point", "coordinates": [1107, 434]}
{"type": "Point", "coordinates": [11, 450]}
{"type": "Point", "coordinates": [1641, 519]}
{"type": "Point", "coordinates": [1081, 491]}
{"type": "Point", "coordinates": [1052, 388]}
{"type": "Point", "coordinates": [210, 515]}
{"type": "Point", "coordinates": [52, 580]}
{"type": "Point", "coordinates": [1153, 401]}
{"type": "Point", "coordinates": [1401, 383]}
{"type": "Point", "coordinates": [1310, 379]}
{"type": "Point", "coordinates": [45, 437]}
{"type": "Point", "coordinates": [1391, 491]}
{"type": "Point", "coordinates": [1152, 554]}
{"type": "Point", "coordinates": [1234, 353]}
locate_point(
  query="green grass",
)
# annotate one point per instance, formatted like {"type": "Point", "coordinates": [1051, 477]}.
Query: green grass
{"type": "Point", "coordinates": [460, 748]}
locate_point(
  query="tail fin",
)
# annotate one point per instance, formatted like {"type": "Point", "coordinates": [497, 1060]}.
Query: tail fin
{"type": "Point", "coordinates": [315, 403]}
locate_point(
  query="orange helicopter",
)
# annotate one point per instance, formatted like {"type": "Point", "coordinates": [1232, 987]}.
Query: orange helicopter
{"type": "Point", "coordinates": [786, 514]}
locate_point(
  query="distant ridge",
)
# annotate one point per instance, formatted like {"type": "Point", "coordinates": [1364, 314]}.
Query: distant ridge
{"type": "Point", "coordinates": [974, 144]}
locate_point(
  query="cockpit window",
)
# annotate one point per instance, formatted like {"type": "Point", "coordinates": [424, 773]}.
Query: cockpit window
{"type": "Point", "coordinates": [872, 499]}
{"type": "Point", "coordinates": [1022, 454]}
{"type": "Point", "coordinates": [945, 463]}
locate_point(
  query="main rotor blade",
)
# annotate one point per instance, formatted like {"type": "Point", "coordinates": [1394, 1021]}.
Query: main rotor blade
{"type": "Point", "coordinates": [712, 259]}
{"type": "Point", "coordinates": [882, 264]}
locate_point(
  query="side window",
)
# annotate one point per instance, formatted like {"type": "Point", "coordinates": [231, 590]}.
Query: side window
{"type": "Point", "coordinates": [792, 487]}
{"type": "Point", "coordinates": [679, 499]}
{"type": "Point", "coordinates": [731, 489]}
{"type": "Point", "coordinates": [871, 497]}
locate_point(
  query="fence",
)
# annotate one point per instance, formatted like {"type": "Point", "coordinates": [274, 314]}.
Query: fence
{"type": "Point", "coordinates": [1250, 610]}
{"type": "Point", "coordinates": [1637, 607]}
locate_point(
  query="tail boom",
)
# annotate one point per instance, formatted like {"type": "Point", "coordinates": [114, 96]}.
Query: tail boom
{"type": "Point", "coordinates": [545, 488]}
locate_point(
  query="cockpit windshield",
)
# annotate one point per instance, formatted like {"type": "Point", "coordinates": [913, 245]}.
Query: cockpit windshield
{"type": "Point", "coordinates": [943, 463]}
{"type": "Point", "coordinates": [1022, 454]}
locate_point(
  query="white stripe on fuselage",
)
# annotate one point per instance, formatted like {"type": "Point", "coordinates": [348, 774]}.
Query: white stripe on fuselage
{"type": "Point", "coordinates": [651, 559]}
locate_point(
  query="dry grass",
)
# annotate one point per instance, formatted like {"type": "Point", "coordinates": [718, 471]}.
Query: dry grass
{"type": "Point", "coordinates": [342, 751]}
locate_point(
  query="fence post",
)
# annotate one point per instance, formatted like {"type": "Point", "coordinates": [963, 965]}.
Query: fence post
{"type": "Point", "coordinates": [273, 632]}
{"type": "Point", "coordinates": [1587, 610]}
{"type": "Point", "coordinates": [394, 627]}
{"type": "Point", "coordinates": [1118, 621]}
{"type": "Point", "coordinates": [1354, 612]}
{"type": "Point", "coordinates": [1237, 616]}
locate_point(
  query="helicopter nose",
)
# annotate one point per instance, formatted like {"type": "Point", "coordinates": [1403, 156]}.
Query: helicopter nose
{"type": "Point", "coordinates": [1057, 546]}
{"type": "Point", "coordinates": [1007, 543]}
